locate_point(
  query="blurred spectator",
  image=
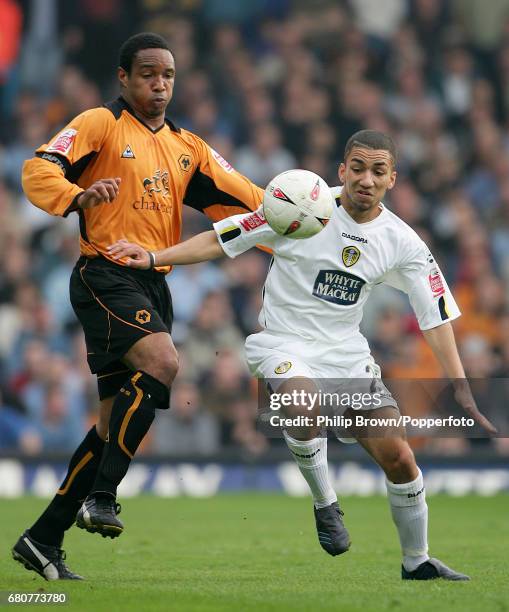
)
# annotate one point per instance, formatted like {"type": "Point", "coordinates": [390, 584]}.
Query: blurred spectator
{"type": "Point", "coordinates": [190, 284]}
{"type": "Point", "coordinates": [431, 20]}
{"type": "Point", "coordinates": [186, 429]}
{"type": "Point", "coordinates": [17, 432]}
{"type": "Point", "coordinates": [478, 359]}
{"type": "Point", "coordinates": [61, 429]}
{"type": "Point", "coordinates": [457, 80]}
{"type": "Point", "coordinates": [390, 327]}
{"type": "Point", "coordinates": [481, 302]}
{"type": "Point", "coordinates": [94, 31]}
{"type": "Point", "coordinates": [11, 19]}
{"type": "Point", "coordinates": [31, 134]}
{"type": "Point", "coordinates": [212, 332]}
{"type": "Point", "coordinates": [413, 359]}
{"type": "Point", "coordinates": [246, 276]}
{"type": "Point", "coordinates": [227, 393]}
{"type": "Point", "coordinates": [41, 55]}
{"type": "Point", "coordinates": [484, 28]}
{"type": "Point", "coordinates": [380, 20]}
{"type": "Point", "coordinates": [53, 395]}
{"type": "Point", "coordinates": [266, 157]}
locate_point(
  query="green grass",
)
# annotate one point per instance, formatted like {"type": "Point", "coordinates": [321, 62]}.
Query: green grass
{"type": "Point", "coordinates": [260, 552]}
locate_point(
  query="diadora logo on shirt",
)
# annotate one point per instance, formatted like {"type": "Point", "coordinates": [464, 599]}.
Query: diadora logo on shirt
{"type": "Point", "coordinates": [128, 153]}
{"type": "Point", "coordinates": [338, 287]}
{"type": "Point", "coordinates": [350, 255]}
{"type": "Point", "coordinates": [356, 238]}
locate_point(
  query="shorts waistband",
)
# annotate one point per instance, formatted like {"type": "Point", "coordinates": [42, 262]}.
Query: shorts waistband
{"type": "Point", "coordinates": [102, 262]}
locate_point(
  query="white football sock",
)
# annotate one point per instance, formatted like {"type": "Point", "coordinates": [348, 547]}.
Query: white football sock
{"type": "Point", "coordinates": [311, 457]}
{"type": "Point", "coordinates": [410, 515]}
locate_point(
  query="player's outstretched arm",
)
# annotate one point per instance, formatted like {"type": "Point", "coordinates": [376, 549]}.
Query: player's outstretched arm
{"type": "Point", "coordinates": [442, 342]}
{"type": "Point", "coordinates": [201, 247]}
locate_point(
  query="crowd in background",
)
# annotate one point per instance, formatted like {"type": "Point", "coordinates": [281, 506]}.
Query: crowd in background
{"type": "Point", "coordinates": [271, 85]}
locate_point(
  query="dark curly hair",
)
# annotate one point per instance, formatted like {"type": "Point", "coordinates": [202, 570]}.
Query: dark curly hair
{"type": "Point", "coordinates": [143, 40]}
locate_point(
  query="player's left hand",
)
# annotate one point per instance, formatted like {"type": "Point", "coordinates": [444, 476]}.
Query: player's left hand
{"type": "Point", "coordinates": [135, 256]}
{"type": "Point", "coordinates": [463, 395]}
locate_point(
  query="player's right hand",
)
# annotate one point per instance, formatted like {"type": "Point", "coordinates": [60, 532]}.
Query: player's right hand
{"type": "Point", "coordinates": [103, 190]}
{"type": "Point", "coordinates": [134, 255]}
{"type": "Point", "coordinates": [463, 395]}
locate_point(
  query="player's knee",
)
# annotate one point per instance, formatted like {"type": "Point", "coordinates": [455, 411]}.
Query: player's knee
{"type": "Point", "coordinates": [406, 460]}
{"type": "Point", "coordinates": [165, 367]}
{"type": "Point", "coordinates": [171, 367]}
{"type": "Point", "coordinates": [303, 422]}
{"type": "Point", "coordinates": [156, 355]}
{"type": "Point", "coordinates": [399, 465]}
{"type": "Point", "coordinates": [304, 433]}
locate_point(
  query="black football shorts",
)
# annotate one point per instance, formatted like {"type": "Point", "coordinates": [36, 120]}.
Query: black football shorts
{"type": "Point", "coordinates": [117, 306]}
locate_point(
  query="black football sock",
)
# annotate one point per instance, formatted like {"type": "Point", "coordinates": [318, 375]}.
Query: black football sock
{"type": "Point", "coordinates": [131, 416]}
{"type": "Point", "coordinates": [61, 512]}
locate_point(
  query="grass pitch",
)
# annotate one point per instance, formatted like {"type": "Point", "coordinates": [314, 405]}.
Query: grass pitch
{"type": "Point", "coordinates": [260, 552]}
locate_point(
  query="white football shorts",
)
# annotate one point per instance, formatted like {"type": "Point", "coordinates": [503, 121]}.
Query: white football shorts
{"type": "Point", "coordinates": [276, 358]}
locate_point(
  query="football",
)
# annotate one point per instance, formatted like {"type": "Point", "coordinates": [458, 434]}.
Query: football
{"type": "Point", "coordinates": [297, 204]}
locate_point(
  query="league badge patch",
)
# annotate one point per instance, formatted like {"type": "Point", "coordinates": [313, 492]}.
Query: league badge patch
{"type": "Point", "coordinates": [253, 221]}
{"type": "Point", "coordinates": [221, 161]}
{"type": "Point", "coordinates": [63, 142]}
{"type": "Point", "coordinates": [435, 283]}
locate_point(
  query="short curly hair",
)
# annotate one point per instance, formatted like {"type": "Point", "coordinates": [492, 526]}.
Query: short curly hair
{"type": "Point", "coordinates": [143, 40]}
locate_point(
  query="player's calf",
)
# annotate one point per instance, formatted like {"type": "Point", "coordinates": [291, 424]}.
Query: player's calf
{"type": "Point", "coordinates": [132, 414]}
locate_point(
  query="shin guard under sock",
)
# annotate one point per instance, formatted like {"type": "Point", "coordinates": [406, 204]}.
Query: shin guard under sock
{"type": "Point", "coordinates": [410, 514]}
{"type": "Point", "coordinates": [132, 414]}
{"type": "Point", "coordinates": [311, 457]}
{"type": "Point", "coordinates": [61, 512]}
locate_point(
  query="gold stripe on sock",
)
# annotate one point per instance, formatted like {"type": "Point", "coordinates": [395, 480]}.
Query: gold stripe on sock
{"type": "Point", "coordinates": [74, 473]}
{"type": "Point", "coordinates": [129, 414]}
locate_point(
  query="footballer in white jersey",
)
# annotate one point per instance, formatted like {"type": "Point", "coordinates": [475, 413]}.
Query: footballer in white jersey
{"type": "Point", "coordinates": [315, 290]}
{"type": "Point", "coordinates": [312, 306]}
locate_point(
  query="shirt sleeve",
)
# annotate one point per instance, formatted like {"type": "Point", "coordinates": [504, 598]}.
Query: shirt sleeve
{"type": "Point", "coordinates": [422, 280]}
{"type": "Point", "coordinates": [216, 188]}
{"type": "Point", "coordinates": [49, 177]}
{"type": "Point", "coordinates": [240, 233]}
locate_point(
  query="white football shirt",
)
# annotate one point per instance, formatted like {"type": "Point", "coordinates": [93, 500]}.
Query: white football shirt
{"type": "Point", "coordinates": [316, 288]}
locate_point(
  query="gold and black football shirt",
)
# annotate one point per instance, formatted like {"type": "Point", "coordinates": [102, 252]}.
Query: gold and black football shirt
{"type": "Point", "coordinates": [160, 170]}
